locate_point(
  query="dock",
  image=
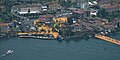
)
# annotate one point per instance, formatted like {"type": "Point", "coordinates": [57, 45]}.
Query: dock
{"type": "Point", "coordinates": [55, 34]}
{"type": "Point", "coordinates": [108, 39]}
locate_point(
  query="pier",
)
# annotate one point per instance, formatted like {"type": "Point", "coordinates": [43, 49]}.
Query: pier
{"type": "Point", "coordinates": [108, 39]}
{"type": "Point", "coordinates": [55, 34]}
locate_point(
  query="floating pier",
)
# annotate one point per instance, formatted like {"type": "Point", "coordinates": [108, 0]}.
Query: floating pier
{"type": "Point", "coordinates": [108, 39]}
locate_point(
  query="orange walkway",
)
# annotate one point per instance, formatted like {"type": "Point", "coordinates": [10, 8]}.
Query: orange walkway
{"type": "Point", "coordinates": [105, 38]}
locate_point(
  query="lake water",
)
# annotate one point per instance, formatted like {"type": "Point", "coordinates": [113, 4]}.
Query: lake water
{"type": "Point", "coordinates": [36, 49]}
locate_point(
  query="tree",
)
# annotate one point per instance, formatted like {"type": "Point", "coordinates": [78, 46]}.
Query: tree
{"type": "Point", "coordinates": [43, 30]}
{"type": "Point", "coordinates": [102, 13]}
{"type": "Point", "coordinates": [70, 21]}
{"type": "Point", "coordinates": [1, 20]}
{"type": "Point", "coordinates": [57, 26]}
{"type": "Point", "coordinates": [66, 4]}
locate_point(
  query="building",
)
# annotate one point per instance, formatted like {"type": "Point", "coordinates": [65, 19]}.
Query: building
{"type": "Point", "coordinates": [44, 8]}
{"type": "Point", "coordinates": [61, 20]}
{"type": "Point", "coordinates": [28, 10]}
{"type": "Point", "coordinates": [108, 1]}
{"type": "Point", "coordinates": [81, 3]}
{"type": "Point", "coordinates": [4, 27]}
{"type": "Point", "coordinates": [34, 8]}
{"type": "Point", "coordinates": [111, 27]}
{"type": "Point", "coordinates": [76, 27]}
{"type": "Point", "coordinates": [72, 1]}
{"type": "Point", "coordinates": [94, 12]}
{"type": "Point", "coordinates": [2, 7]}
{"type": "Point", "coordinates": [46, 18]}
{"type": "Point", "coordinates": [115, 1]}
{"type": "Point", "coordinates": [111, 7]}
{"type": "Point", "coordinates": [81, 14]}
{"type": "Point", "coordinates": [55, 6]}
{"type": "Point", "coordinates": [1, 2]}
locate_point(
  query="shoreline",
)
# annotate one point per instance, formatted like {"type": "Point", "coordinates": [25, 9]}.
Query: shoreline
{"type": "Point", "coordinates": [81, 35]}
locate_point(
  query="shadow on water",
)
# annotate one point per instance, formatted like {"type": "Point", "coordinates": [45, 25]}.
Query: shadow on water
{"type": "Point", "coordinates": [113, 34]}
{"type": "Point", "coordinates": [59, 41]}
{"type": "Point", "coordinates": [3, 40]}
{"type": "Point", "coordinates": [77, 39]}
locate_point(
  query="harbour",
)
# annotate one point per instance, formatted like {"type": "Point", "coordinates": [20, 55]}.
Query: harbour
{"type": "Point", "coordinates": [59, 30]}
{"type": "Point", "coordinates": [29, 49]}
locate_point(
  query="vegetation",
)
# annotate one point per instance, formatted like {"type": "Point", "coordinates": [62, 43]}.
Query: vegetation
{"type": "Point", "coordinates": [114, 15]}
{"type": "Point", "coordinates": [30, 1]}
{"type": "Point", "coordinates": [6, 16]}
{"type": "Point", "coordinates": [109, 16]}
{"type": "Point", "coordinates": [102, 13]}
{"type": "Point", "coordinates": [1, 20]}
{"type": "Point", "coordinates": [70, 21]}
{"type": "Point", "coordinates": [66, 4]}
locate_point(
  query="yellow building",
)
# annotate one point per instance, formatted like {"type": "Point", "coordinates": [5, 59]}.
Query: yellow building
{"type": "Point", "coordinates": [36, 21]}
{"type": "Point", "coordinates": [61, 20]}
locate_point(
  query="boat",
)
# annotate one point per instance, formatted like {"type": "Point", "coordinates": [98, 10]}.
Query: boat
{"type": "Point", "coordinates": [7, 53]}
{"type": "Point", "coordinates": [43, 37]}
{"type": "Point", "coordinates": [26, 36]}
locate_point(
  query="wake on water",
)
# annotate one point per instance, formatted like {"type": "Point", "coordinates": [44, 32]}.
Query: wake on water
{"type": "Point", "coordinates": [2, 55]}
{"type": "Point", "coordinates": [6, 54]}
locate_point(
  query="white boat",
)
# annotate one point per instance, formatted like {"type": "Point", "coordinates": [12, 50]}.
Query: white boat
{"type": "Point", "coordinates": [7, 53]}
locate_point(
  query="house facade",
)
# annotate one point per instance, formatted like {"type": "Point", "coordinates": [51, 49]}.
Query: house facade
{"type": "Point", "coordinates": [81, 14]}
{"type": "Point", "coordinates": [27, 10]}
{"type": "Point", "coordinates": [46, 18]}
{"type": "Point", "coordinates": [111, 7]}
{"type": "Point", "coordinates": [60, 20]}
{"type": "Point", "coordinates": [76, 27]}
{"type": "Point", "coordinates": [2, 6]}
{"type": "Point", "coordinates": [55, 6]}
{"type": "Point", "coordinates": [4, 27]}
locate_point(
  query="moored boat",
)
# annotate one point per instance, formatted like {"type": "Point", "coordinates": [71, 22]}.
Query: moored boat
{"type": "Point", "coordinates": [49, 36]}
{"type": "Point", "coordinates": [44, 37]}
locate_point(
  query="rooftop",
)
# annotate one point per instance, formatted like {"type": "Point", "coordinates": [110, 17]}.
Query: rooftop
{"type": "Point", "coordinates": [79, 11]}
{"type": "Point", "coordinates": [3, 24]}
{"type": "Point", "coordinates": [108, 6]}
{"type": "Point", "coordinates": [45, 16]}
{"type": "Point", "coordinates": [2, 6]}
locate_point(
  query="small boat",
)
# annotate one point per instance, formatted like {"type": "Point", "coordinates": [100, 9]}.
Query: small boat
{"type": "Point", "coordinates": [44, 37]}
{"type": "Point", "coordinates": [7, 53]}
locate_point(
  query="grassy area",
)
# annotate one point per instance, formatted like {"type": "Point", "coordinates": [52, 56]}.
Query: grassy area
{"type": "Point", "coordinates": [1, 20]}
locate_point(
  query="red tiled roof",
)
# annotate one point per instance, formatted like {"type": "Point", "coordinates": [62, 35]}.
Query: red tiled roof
{"type": "Point", "coordinates": [77, 25]}
{"type": "Point", "coordinates": [46, 15]}
{"type": "Point", "coordinates": [108, 26]}
{"type": "Point", "coordinates": [3, 24]}
{"type": "Point", "coordinates": [79, 11]}
{"type": "Point", "coordinates": [107, 6]}
{"type": "Point", "coordinates": [1, 6]}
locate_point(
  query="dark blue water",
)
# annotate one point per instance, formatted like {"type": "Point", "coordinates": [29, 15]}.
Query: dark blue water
{"type": "Point", "coordinates": [35, 49]}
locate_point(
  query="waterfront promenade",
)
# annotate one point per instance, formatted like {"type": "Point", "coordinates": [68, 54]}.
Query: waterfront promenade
{"type": "Point", "coordinates": [108, 39]}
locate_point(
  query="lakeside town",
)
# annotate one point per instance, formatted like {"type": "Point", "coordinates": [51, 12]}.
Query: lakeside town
{"type": "Point", "coordinates": [53, 19]}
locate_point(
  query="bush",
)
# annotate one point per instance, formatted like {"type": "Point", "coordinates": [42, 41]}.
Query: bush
{"type": "Point", "coordinates": [1, 20]}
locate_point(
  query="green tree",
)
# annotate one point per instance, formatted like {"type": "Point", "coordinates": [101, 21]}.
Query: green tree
{"type": "Point", "coordinates": [102, 13]}
{"type": "Point", "coordinates": [66, 4]}
{"type": "Point", "coordinates": [1, 20]}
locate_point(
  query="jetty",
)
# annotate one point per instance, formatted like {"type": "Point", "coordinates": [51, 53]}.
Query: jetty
{"type": "Point", "coordinates": [108, 39]}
